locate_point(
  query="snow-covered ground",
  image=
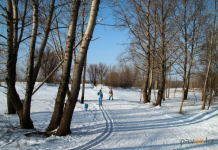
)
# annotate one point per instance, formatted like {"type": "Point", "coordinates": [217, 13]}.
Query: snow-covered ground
{"type": "Point", "coordinates": [124, 123]}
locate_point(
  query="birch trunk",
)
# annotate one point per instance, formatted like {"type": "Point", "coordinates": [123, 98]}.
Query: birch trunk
{"type": "Point", "coordinates": [150, 83]}
{"type": "Point", "coordinates": [64, 127]}
{"type": "Point", "coordinates": [169, 85]}
{"type": "Point", "coordinates": [59, 104]}
{"type": "Point", "coordinates": [27, 122]}
{"type": "Point", "coordinates": [163, 58]}
{"type": "Point", "coordinates": [11, 109]}
{"type": "Point", "coordinates": [145, 85]}
{"type": "Point", "coordinates": [211, 96]}
{"type": "Point", "coordinates": [11, 63]}
{"type": "Point", "coordinates": [43, 44]}
{"type": "Point", "coordinates": [147, 74]}
{"type": "Point", "coordinates": [184, 96]}
{"type": "Point", "coordinates": [23, 109]}
{"type": "Point", "coordinates": [161, 87]}
{"type": "Point", "coordinates": [84, 68]}
{"type": "Point", "coordinates": [210, 61]}
{"type": "Point", "coordinates": [33, 72]}
{"type": "Point", "coordinates": [193, 49]}
{"type": "Point", "coordinates": [186, 50]}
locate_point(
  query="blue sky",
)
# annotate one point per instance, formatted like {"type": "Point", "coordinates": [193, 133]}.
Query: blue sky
{"type": "Point", "coordinates": [109, 45]}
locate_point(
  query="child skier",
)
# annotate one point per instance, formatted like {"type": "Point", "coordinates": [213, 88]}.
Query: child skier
{"type": "Point", "coordinates": [100, 96]}
{"type": "Point", "coordinates": [111, 94]}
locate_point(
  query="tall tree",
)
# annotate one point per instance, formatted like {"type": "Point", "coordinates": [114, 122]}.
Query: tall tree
{"type": "Point", "coordinates": [59, 104]}
{"type": "Point", "coordinates": [64, 127]}
{"type": "Point", "coordinates": [136, 17]}
{"type": "Point", "coordinates": [16, 42]}
{"type": "Point", "coordinates": [211, 51]}
{"type": "Point", "coordinates": [23, 108]}
{"type": "Point", "coordinates": [167, 50]}
{"type": "Point", "coordinates": [162, 30]}
{"type": "Point", "coordinates": [195, 20]}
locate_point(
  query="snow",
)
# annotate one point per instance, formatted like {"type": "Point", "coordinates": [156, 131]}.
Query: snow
{"type": "Point", "coordinates": [124, 123]}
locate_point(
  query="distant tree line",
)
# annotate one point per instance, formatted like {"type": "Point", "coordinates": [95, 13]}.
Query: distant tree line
{"type": "Point", "coordinates": [117, 76]}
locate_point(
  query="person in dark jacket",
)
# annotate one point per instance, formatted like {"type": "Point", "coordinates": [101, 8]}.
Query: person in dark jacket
{"type": "Point", "coordinates": [100, 97]}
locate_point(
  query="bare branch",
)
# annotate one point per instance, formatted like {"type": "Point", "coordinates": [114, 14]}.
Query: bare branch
{"type": "Point", "coordinates": [3, 36]}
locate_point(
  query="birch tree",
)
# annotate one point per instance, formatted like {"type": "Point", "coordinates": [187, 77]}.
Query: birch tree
{"type": "Point", "coordinates": [211, 51]}
{"type": "Point", "coordinates": [59, 104]}
{"type": "Point", "coordinates": [136, 17]}
{"type": "Point", "coordinates": [64, 127]}
{"type": "Point", "coordinates": [193, 33]}
{"type": "Point", "coordinates": [23, 108]}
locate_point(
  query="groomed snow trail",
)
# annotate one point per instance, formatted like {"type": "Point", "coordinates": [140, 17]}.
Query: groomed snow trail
{"type": "Point", "coordinates": [102, 137]}
{"type": "Point", "coordinates": [124, 123]}
{"type": "Point", "coordinates": [138, 126]}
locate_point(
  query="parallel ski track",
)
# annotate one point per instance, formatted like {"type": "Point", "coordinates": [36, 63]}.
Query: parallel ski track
{"type": "Point", "coordinates": [102, 137]}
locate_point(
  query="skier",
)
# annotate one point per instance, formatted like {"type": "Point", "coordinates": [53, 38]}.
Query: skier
{"type": "Point", "coordinates": [111, 94]}
{"type": "Point", "coordinates": [100, 96]}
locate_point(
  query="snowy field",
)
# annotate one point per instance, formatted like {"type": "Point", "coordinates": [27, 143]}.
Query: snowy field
{"type": "Point", "coordinates": [124, 123]}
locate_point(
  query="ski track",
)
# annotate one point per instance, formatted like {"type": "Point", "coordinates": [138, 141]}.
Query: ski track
{"type": "Point", "coordinates": [102, 137]}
